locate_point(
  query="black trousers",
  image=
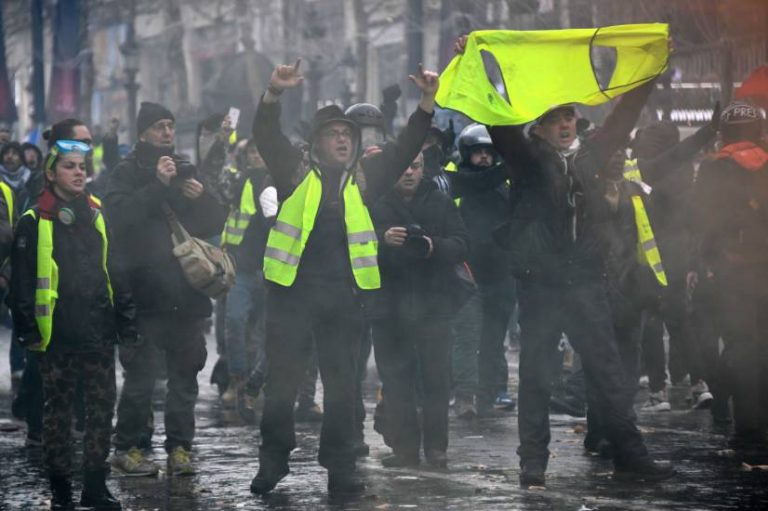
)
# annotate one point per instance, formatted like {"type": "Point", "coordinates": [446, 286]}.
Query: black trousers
{"type": "Point", "coordinates": [744, 318]}
{"type": "Point", "coordinates": [331, 316]}
{"type": "Point", "coordinates": [498, 303]}
{"type": "Point", "coordinates": [411, 354]}
{"type": "Point", "coordinates": [60, 374]}
{"type": "Point", "coordinates": [181, 338]}
{"type": "Point", "coordinates": [583, 312]}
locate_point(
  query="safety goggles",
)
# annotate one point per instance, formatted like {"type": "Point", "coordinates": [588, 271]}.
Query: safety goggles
{"type": "Point", "coordinates": [66, 147]}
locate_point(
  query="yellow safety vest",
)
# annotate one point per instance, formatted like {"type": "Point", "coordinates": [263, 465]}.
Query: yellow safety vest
{"type": "Point", "coordinates": [239, 219]}
{"type": "Point", "coordinates": [98, 158]}
{"type": "Point", "coordinates": [46, 292]}
{"type": "Point", "coordinates": [9, 201]}
{"type": "Point", "coordinates": [294, 224]}
{"type": "Point", "coordinates": [543, 69]}
{"type": "Point", "coordinates": [647, 249]}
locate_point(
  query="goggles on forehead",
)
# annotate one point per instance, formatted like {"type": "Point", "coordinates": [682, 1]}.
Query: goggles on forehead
{"type": "Point", "coordinates": [66, 147]}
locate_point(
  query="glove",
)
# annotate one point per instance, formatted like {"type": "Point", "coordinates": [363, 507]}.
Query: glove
{"type": "Point", "coordinates": [391, 93]}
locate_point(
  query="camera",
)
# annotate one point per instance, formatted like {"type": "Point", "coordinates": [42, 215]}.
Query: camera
{"type": "Point", "coordinates": [415, 242]}
{"type": "Point", "coordinates": [184, 169]}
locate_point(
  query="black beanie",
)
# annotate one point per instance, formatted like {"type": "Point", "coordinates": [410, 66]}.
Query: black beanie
{"type": "Point", "coordinates": [149, 114]}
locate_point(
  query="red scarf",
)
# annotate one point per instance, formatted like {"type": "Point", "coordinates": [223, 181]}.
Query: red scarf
{"type": "Point", "coordinates": [48, 204]}
{"type": "Point", "coordinates": [747, 155]}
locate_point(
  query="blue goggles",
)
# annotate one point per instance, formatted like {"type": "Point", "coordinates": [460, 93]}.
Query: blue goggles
{"type": "Point", "coordinates": [65, 147]}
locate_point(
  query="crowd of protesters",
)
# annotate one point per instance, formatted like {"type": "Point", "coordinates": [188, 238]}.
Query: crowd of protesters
{"type": "Point", "coordinates": [433, 249]}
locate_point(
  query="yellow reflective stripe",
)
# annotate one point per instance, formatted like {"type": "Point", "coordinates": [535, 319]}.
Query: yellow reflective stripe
{"type": "Point", "coordinates": [632, 171]}
{"type": "Point", "coordinates": [648, 251]}
{"type": "Point", "coordinates": [365, 262]}
{"type": "Point", "coordinates": [362, 237]}
{"type": "Point", "coordinates": [43, 283]}
{"type": "Point", "coordinates": [282, 256]}
{"type": "Point", "coordinates": [8, 196]}
{"type": "Point", "coordinates": [287, 229]}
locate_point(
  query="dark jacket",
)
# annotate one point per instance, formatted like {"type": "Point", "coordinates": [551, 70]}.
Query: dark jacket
{"type": "Point", "coordinates": [731, 218]}
{"type": "Point", "coordinates": [133, 204]}
{"type": "Point", "coordinates": [325, 260]}
{"type": "Point", "coordinates": [414, 286]}
{"type": "Point", "coordinates": [558, 208]}
{"type": "Point", "coordinates": [670, 174]}
{"type": "Point", "coordinates": [484, 207]}
{"type": "Point", "coordinates": [83, 319]}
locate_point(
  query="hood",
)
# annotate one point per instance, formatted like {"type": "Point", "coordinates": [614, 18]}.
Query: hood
{"type": "Point", "coordinates": [747, 155]}
{"type": "Point", "coordinates": [327, 115]}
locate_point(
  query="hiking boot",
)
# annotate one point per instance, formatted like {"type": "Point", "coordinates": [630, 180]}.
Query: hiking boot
{"type": "Point", "coordinates": [643, 470]}
{"type": "Point", "coordinates": [180, 462]}
{"type": "Point", "coordinates": [95, 492]}
{"type": "Point", "coordinates": [399, 460]}
{"type": "Point", "coordinates": [464, 408]}
{"type": "Point", "coordinates": [436, 458]}
{"type": "Point", "coordinates": [657, 402]}
{"type": "Point", "coordinates": [310, 412]}
{"type": "Point", "coordinates": [61, 492]}
{"type": "Point", "coordinates": [345, 482]}
{"type": "Point", "coordinates": [230, 396]}
{"type": "Point", "coordinates": [269, 474]}
{"type": "Point", "coordinates": [504, 401]}
{"type": "Point", "coordinates": [134, 463]}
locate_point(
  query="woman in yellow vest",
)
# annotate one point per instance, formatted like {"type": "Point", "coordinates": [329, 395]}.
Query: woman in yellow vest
{"type": "Point", "coordinates": [68, 310]}
{"type": "Point", "coordinates": [320, 258]}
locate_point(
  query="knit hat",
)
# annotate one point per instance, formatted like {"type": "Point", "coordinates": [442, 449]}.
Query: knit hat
{"type": "Point", "coordinates": [149, 114]}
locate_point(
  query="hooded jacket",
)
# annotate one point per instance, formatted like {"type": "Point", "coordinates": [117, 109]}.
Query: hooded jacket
{"type": "Point", "coordinates": [142, 235]}
{"type": "Point", "coordinates": [325, 260]}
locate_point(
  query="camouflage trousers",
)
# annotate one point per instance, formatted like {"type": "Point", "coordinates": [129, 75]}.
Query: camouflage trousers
{"type": "Point", "coordinates": [60, 373]}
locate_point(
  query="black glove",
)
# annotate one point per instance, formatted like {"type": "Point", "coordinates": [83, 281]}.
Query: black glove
{"type": "Point", "coordinates": [391, 93]}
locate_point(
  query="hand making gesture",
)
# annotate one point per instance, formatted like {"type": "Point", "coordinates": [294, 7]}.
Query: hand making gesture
{"type": "Point", "coordinates": [428, 82]}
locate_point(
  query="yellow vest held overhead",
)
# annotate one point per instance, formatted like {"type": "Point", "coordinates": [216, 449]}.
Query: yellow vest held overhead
{"type": "Point", "coordinates": [647, 249]}
{"type": "Point", "coordinates": [46, 292]}
{"type": "Point", "coordinates": [542, 69]}
{"type": "Point", "coordinates": [239, 219]}
{"type": "Point", "coordinates": [289, 236]}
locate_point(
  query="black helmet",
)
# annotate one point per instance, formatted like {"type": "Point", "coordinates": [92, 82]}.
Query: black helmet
{"type": "Point", "coordinates": [366, 114]}
{"type": "Point", "coordinates": [472, 136]}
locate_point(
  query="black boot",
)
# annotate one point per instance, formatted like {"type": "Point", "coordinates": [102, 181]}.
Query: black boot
{"type": "Point", "coordinates": [345, 482]}
{"type": "Point", "coordinates": [270, 473]}
{"type": "Point", "coordinates": [642, 470]}
{"type": "Point", "coordinates": [532, 473]}
{"type": "Point", "coordinates": [61, 492]}
{"type": "Point", "coordinates": [95, 492]}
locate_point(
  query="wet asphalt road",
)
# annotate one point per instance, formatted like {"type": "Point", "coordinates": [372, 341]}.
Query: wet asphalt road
{"type": "Point", "coordinates": [482, 472]}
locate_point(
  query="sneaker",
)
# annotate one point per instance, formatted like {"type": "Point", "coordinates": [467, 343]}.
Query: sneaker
{"type": "Point", "coordinates": [230, 396]}
{"type": "Point", "coordinates": [464, 408]}
{"type": "Point", "coordinates": [700, 397]}
{"type": "Point", "coordinates": [532, 474]}
{"type": "Point", "coordinates": [180, 462]}
{"type": "Point", "coordinates": [308, 413]}
{"type": "Point", "coordinates": [134, 463]}
{"type": "Point", "coordinates": [269, 474]}
{"type": "Point", "coordinates": [644, 470]}
{"type": "Point", "coordinates": [657, 402]}
{"type": "Point", "coordinates": [504, 402]}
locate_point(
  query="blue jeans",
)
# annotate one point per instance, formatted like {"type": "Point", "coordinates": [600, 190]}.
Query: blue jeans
{"type": "Point", "coordinates": [245, 322]}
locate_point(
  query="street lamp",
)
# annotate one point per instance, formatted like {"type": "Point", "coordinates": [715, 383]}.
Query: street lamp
{"type": "Point", "coordinates": [130, 52]}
